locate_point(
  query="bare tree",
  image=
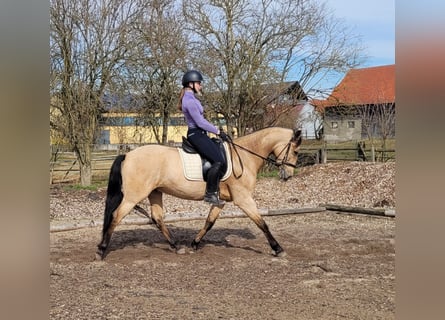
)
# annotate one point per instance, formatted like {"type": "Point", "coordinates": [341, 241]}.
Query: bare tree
{"type": "Point", "coordinates": [387, 122]}
{"type": "Point", "coordinates": [241, 45]}
{"type": "Point", "coordinates": [154, 71]}
{"type": "Point", "coordinates": [88, 44]}
{"type": "Point", "coordinates": [378, 121]}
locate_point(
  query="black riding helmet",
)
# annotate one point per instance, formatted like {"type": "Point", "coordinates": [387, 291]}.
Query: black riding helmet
{"type": "Point", "coordinates": [191, 76]}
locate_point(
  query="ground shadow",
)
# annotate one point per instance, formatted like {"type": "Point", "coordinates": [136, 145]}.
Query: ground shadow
{"type": "Point", "coordinates": [152, 237]}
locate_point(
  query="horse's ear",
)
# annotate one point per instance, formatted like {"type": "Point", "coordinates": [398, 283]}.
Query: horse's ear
{"type": "Point", "coordinates": [297, 136]}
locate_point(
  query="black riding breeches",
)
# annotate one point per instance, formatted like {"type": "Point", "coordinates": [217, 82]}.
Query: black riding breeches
{"type": "Point", "coordinates": [209, 150]}
{"type": "Point", "coordinates": [204, 145]}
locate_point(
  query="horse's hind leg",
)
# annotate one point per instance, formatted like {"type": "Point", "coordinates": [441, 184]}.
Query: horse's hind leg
{"type": "Point", "coordinates": [122, 210]}
{"type": "Point", "coordinates": [157, 215]}
{"type": "Point", "coordinates": [247, 204]}
{"type": "Point", "coordinates": [211, 218]}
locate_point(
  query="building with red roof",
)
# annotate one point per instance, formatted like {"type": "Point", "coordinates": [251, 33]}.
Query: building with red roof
{"type": "Point", "coordinates": [361, 106]}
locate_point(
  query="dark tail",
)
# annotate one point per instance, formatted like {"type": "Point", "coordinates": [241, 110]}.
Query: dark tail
{"type": "Point", "coordinates": [114, 192]}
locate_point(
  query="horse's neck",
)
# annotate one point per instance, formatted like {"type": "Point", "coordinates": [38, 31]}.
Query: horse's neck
{"type": "Point", "coordinates": [262, 143]}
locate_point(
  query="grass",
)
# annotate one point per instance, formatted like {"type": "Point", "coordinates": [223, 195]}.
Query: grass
{"type": "Point", "coordinates": [96, 185]}
{"type": "Point", "coordinates": [267, 173]}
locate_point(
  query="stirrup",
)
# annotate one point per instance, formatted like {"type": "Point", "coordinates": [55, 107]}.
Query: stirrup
{"type": "Point", "coordinates": [212, 197]}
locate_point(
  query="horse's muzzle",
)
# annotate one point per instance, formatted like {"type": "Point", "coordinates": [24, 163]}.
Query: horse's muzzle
{"type": "Point", "coordinates": [284, 175]}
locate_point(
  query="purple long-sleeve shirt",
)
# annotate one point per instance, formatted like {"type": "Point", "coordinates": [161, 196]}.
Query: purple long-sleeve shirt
{"type": "Point", "coordinates": [193, 113]}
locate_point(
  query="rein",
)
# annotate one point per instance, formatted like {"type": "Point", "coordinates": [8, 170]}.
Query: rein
{"type": "Point", "coordinates": [269, 160]}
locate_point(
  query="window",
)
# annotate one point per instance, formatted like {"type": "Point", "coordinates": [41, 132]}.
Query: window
{"type": "Point", "coordinates": [351, 124]}
{"type": "Point", "coordinates": [127, 121]}
{"type": "Point", "coordinates": [104, 137]}
{"type": "Point", "coordinates": [334, 124]}
{"type": "Point", "coordinates": [177, 121]}
{"type": "Point", "coordinates": [119, 121]}
{"type": "Point", "coordinates": [218, 121]}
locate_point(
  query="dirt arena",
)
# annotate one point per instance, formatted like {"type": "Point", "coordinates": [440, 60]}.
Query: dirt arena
{"type": "Point", "coordinates": [338, 266]}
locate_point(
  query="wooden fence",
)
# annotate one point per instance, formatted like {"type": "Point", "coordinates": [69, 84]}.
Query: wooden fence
{"type": "Point", "coordinates": [309, 156]}
{"type": "Point", "coordinates": [65, 169]}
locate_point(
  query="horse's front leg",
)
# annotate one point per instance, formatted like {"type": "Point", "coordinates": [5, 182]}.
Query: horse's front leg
{"type": "Point", "coordinates": [157, 215]}
{"type": "Point", "coordinates": [210, 221]}
{"type": "Point", "coordinates": [248, 205]}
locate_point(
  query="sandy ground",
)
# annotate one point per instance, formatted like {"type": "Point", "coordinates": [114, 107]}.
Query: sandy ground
{"type": "Point", "coordinates": [338, 266]}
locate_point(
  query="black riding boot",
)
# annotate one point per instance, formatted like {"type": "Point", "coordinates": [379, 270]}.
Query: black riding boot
{"type": "Point", "coordinates": [213, 177]}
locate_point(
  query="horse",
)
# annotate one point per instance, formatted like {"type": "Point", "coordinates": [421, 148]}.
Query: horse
{"type": "Point", "coordinates": [152, 170]}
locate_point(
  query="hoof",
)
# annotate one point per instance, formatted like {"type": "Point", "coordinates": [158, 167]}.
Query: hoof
{"type": "Point", "coordinates": [99, 256]}
{"type": "Point", "coordinates": [195, 245]}
{"type": "Point", "coordinates": [281, 254]}
{"type": "Point", "coordinates": [100, 252]}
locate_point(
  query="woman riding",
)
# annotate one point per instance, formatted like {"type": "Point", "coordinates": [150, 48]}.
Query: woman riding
{"type": "Point", "coordinates": [198, 127]}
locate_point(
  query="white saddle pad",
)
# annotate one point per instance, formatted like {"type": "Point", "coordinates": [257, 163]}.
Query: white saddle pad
{"type": "Point", "coordinates": [192, 165]}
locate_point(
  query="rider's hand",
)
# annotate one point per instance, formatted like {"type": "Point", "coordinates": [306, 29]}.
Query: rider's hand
{"type": "Point", "coordinates": [223, 136]}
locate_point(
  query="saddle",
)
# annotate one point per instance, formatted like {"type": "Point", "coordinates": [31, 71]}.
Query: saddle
{"type": "Point", "coordinates": [189, 157]}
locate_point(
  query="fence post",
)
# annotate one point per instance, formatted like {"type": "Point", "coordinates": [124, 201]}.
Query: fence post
{"type": "Point", "coordinates": [372, 153]}
{"type": "Point", "coordinates": [324, 153]}
{"type": "Point", "coordinates": [361, 155]}
{"type": "Point", "coordinates": [324, 156]}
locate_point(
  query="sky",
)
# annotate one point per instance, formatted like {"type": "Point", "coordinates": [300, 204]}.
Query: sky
{"type": "Point", "coordinates": [374, 22]}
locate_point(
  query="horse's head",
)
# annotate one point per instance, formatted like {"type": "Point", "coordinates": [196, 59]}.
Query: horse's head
{"type": "Point", "coordinates": [287, 157]}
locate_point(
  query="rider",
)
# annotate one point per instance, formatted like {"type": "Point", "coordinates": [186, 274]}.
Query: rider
{"type": "Point", "coordinates": [198, 127]}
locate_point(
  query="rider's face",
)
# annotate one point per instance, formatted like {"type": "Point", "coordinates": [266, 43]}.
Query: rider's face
{"type": "Point", "coordinates": [198, 86]}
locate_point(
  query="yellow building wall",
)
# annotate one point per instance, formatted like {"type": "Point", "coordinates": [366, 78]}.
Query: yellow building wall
{"type": "Point", "coordinates": [141, 135]}
{"type": "Point", "coordinates": [130, 134]}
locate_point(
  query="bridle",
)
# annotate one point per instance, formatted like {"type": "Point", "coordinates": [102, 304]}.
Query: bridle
{"type": "Point", "coordinates": [286, 155]}
{"type": "Point", "coordinates": [275, 162]}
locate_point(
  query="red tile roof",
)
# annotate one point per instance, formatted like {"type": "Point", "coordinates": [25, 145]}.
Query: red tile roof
{"type": "Point", "coordinates": [363, 86]}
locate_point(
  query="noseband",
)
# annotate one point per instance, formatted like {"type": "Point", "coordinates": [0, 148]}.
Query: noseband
{"type": "Point", "coordinates": [286, 156]}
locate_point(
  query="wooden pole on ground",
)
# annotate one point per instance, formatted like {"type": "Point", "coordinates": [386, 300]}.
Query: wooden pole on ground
{"type": "Point", "coordinates": [370, 211]}
{"type": "Point", "coordinates": [187, 217]}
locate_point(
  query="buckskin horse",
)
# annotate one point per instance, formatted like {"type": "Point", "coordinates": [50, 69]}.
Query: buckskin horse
{"type": "Point", "coordinates": [151, 170]}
